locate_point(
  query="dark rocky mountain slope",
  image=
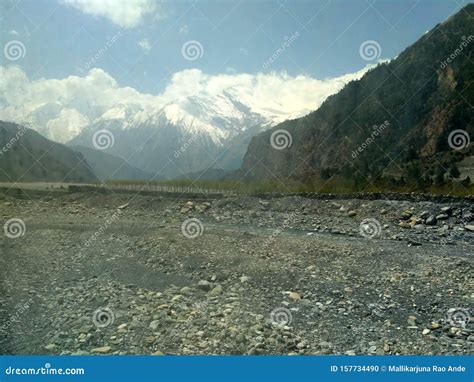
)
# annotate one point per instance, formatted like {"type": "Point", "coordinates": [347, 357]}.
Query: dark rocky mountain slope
{"type": "Point", "coordinates": [395, 122]}
{"type": "Point", "coordinates": [27, 156]}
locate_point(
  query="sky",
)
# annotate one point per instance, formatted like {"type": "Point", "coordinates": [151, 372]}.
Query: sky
{"type": "Point", "coordinates": [294, 51]}
{"type": "Point", "coordinates": [61, 37]}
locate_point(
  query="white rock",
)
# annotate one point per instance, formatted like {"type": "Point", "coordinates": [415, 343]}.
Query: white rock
{"type": "Point", "coordinates": [101, 350]}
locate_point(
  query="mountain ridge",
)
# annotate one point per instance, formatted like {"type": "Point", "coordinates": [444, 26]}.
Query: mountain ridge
{"type": "Point", "coordinates": [25, 155]}
{"type": "Point", "coordinates": [414, 93]}
{"type": "Point", "coordinates": [211, 129]}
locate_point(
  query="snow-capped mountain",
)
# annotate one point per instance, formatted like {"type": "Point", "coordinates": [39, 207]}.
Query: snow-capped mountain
{"type": "Point", "coordinates": [198, 120]}
{"type": "Point", "coordinates": [218, 116]}
{"type": "Point", "coordinates": [188, 135]}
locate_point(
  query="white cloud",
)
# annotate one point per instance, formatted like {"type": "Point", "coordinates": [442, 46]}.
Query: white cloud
{"type": "Point", "coordinates": [125, 13]}
{"type": "Point", "coordinates": [275, 93]}
{"type": "Point", "coordinates": [145, 44]}
{"type": "Point", "coordinates": [70, 118]}
{"type": "Point", "coordinates": [73, 102]}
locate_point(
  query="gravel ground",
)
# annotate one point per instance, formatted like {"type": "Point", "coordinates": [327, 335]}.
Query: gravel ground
{"type": "Point", "coordinates": [125, 274]}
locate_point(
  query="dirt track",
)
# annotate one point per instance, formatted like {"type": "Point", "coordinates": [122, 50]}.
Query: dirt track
{"type": "Point", "coordinates": [87, 277]}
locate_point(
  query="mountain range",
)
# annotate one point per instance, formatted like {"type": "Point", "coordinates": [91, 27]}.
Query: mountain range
{"type": "Point", "coordinates": [170, 134]}
{"type": "Point", "coordinates": [185, 136]}
{"type": "Point", "coordinates": [402, 120]}
{"type": "Point", "coordinates": [408, 119]}
{"type": "Point", "coordinates": [26, 156]}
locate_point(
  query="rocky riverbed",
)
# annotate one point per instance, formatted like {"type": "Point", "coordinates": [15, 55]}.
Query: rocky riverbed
{"type": "Point", "coordinates": [126, 274]}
